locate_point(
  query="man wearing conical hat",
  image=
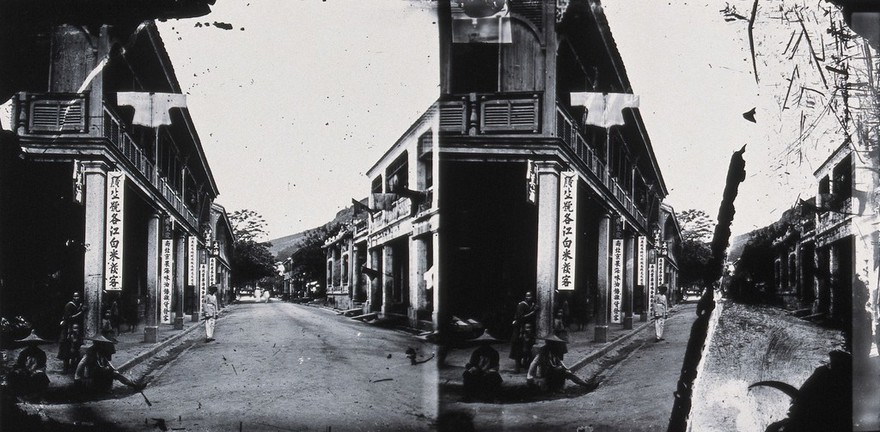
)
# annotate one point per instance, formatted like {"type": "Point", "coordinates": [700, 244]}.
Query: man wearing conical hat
{"type": "Point", "coordinates": [28, 376]}
{"type": "Point", "coordinates": [95, 373]}
{"type": "Point", "coordinates": [481, 371]}
{"type": "Point", "coordinates": [547, 371]}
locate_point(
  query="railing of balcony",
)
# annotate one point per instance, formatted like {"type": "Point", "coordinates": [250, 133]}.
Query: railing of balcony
{"type": "Point", "coordinates": [829, 219]}
{"type": "Point", "coordinates": [567, 129]}
{"type": "Point", "coordinates": [53, 113]}
{"type": "Point", "coordinates": [114, 131]}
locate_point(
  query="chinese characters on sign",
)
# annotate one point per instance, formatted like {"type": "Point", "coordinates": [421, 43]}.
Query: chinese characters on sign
{"type": "Point", "coordinates": [567, 230]}
{"type": "Point", "coordinates": [203, 282]}
{"type": "Point", "coordinates": [192, 259]}
{"type": "Point", "coordinates": [616, 279]}
{"type": "Point", "coordinates": [212, 272]}
{"type": "Point", "coordinates": [167, 265]}
{"type": "Point", "coordinates": [113, 250]}
{"type": "Point", "coordinates": [652, 287]}
{"type": "Point", "coordinates": [531, 181]}
{"type": "Point", "coordinates": [643, 257]}
{"type": "Point", "coordinates": [661, 271]}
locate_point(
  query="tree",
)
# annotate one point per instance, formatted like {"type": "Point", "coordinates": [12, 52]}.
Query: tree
{"type": "Point", "coordinates": [310, 259]}
{"type": "Point", "coordinates": [251, 260]}
{"type": "Point", "coordinates": [696, 233]}
{"type": "Point", "coordinates": [248, 225]}
{"type": "Point", "coordinates": [696, 225]}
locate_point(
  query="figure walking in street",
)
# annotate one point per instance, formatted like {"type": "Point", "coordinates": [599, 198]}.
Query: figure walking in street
{"type": "Point", "coordinates": [74, 313]}
{"type": "Point", "coordinates": [547, 372]}
{"type": "Point", "coordinates": [28, 375]}
{"type": "Point", "coordinates": [660, 307]}
{"type": "Point", "coordinates": [95, 373]}
{"type": "Point", "coordinates": [209, 312]}
{"type": "Point", "coordinates": [525, 314]}
{"type": "Point", "coordinates": [480, 376]}
{"type": "Point", "coordinates": [71, 347]}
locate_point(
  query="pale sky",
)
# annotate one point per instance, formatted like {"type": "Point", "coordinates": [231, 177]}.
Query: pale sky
{"type": "Point", "coordinates": [296, 107]}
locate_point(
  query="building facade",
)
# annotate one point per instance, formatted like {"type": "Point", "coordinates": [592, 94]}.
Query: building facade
{"type": "Point", "coordinates": [537, 190]}
{"type": "Point", "coordinates": [105, 186]}
{"type": "Point", "coordinates": [346, 252]}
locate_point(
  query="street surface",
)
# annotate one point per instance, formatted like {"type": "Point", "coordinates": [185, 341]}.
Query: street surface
{"type": "Point", "coordinates": [278, 367]}
{"type": "Point", "coordinates": [635, 393]}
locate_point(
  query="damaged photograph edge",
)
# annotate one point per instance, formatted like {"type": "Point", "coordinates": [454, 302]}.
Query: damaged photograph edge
{"type": "Point", "coordinates": [484, 238]}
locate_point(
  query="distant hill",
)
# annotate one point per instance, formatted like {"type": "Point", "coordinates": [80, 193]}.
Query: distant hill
{"type": "Point", "coordinates": [283, 247]}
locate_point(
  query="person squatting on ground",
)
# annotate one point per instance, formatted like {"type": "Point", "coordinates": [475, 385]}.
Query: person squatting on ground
{"type": "Point", "coordinates": [547, 372]}
{"type": "Point", "coordinates": [74, 313]}
{"type": "Point", "coordinates": [28, 375]}
{"type": "Point", "coordinates": [480, 376]}
{"type": "Point", "coordinates": [522, 331]}
{"type": "Point", "coordinates": [660, 307]}
{"type": "Point", "coordinates": [209, 312]}
{"type": "Point", "coordinates": [95, 373]}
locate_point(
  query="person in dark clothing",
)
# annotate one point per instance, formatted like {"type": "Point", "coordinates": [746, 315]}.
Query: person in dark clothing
{"type": "Point", "coordinates": [525, 314]}
{"type": "Point", "coordinates": [72, 346]}
{"type": "Point", "coordinates": [547, 371]}
{"type": "Point", "coordinates": [95, 373]}
{"type": "Point", "coordinates": [28, 375]}
{"type": "Point", "coordinates": [480, 374]}
{"type": "Point", "coordinates": [74, 313]}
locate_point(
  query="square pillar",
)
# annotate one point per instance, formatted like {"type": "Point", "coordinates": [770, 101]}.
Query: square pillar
{"type": "Point", "coordinates": [93, 263]}
{"type": "Point", "coordinates": [151, 330]}
{"type": "Point", "coordinates": [548, 239]}
{"type": "Point", "coordinates": [179, 278]}
{"type": "Point", "coordinates": [387, 279]}
{"type": "Point", "coordinates": [603, 280]}
{"type": "Point", "coordinates": [628, 279]}
{"type": "Point", "coordinates": [418, 265]}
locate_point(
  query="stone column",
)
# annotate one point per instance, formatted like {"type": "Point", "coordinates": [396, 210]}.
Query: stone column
{"type": "Point", "coordinates": [179, 277]}
{"type": "Point", "coordinates": [418, 257]}
{"type": "Point", "coordinates": [151, 330]}
{"type": "Point", "coordinates": [387, 279]}
{"type": "Point", "coordinates": [548, 238]}
{"type": "Point", "coordinates": [439, 314]}
{"type": "Point", "coordinates": [376, 282]}
{"type": "Point", "coordinates": [603, 279]}
{"type": "Point", "coordinates": [93, 265]}
{"type": "Point", "coordinates": [628, 279]}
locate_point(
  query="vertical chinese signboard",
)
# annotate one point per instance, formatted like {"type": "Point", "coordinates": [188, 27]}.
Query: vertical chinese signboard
{"type": "Point", "coordinates": [652, 286]}
{"type": "Point", "coordinates": [642, 261]}
{"type": "Point", "coordinates": [203, 282]}
{"type": "Point", "coordinates": [616, 280]}
{"type": "Point", "coordinates": [166, 271]}
{"type": "Point", "coordinates": [661, 271]}
{"type": "Point", "coordinates": [167, 277]}
{"type": "Point", "coordinates": [114, 231]}
{"type": "Point", "coordinates": [192, 255]}
{"type": "Point", "coordinates": [567, 231]}
{"type": "Point", "coordinates": [531, 181]}
{"type": "Point", "coordinates": [212, 271]}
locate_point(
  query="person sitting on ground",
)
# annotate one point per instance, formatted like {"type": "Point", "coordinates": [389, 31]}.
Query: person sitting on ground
{"type": "Point", "coordinates": [480, 374]}
{"type": "Point", "coordinates": [547, 371]}
{"type": "Point", "coordinates": [95, 373]}
{"type": "Point", "coordinates": [28, 375]}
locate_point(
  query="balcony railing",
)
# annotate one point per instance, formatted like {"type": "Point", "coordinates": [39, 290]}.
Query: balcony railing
{"type": "Point", "coordinates": [830, 219]}
{"type": "Point", "coordinates": [491, 113]}
{"type": "Point", "coordinates": [400, 209]}
{"type": "Point", "coordinates": [67, 113]}
{"type": "Point", "coordinates": [567, 129]}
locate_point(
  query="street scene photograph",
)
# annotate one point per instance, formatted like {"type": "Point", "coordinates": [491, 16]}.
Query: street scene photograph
{"type": "Point", "coordinates": [439, 215]}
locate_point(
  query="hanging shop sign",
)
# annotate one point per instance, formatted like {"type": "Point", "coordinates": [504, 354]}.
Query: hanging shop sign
{"type": "Point", "coordinates": [114, 231]}
{"type": "Point", "coordinates": [567, 247]}
{"type": "Point", "coordinates": [212, 271]}
{"type": "Point", "coordinates": [616, 280]}
{"type": "Point", "coordinates": [532, 181]}
{"type": "Point", "coordinates": [203, 282]}
{"type": "Point", "coordinates": [642, 260]}
{"type": "Point", "coordinates": [652, 287]}
{"type": "Point", "coordinates": [661, 271]}
{"type": "Point", "coordinates": [166, 280]}
{"type": "Point", "coordinates": [192, 259]}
